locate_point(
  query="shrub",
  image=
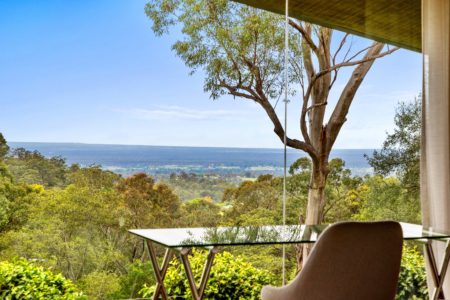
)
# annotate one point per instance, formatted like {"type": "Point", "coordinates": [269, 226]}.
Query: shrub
{"type": "Point", "coordinates": [138, 273]}
{"type": "Point", "coordinates": [100, 285]}
{"type": "Point", "coordinates": [231, 278]}
{"type": "Point", "coordinates": [23, 280]}
{"type": "Point", "coordinates": [412, 283]}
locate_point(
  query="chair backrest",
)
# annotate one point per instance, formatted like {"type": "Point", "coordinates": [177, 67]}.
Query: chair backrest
{"type": "Point", "coordinates": [352, 261]}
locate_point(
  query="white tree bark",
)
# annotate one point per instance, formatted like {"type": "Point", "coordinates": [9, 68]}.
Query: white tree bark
{"type": "Point", "coordinates": [435, 153]}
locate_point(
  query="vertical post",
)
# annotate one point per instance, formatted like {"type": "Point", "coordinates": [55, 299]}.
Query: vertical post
{"type": "Point", "coordinates": [286, 101]}
{"type": "Point", "coordinates": [435, 151]}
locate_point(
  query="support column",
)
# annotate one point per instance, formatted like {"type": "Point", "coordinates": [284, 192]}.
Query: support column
{"type": "Point", "coordinates": [435, 153]}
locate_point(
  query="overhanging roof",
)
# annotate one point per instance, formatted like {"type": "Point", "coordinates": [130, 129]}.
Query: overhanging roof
{"type": "Point", "coordinates": [396, 22]}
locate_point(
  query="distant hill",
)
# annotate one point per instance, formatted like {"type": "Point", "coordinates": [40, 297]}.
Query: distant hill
{"type": "Point", "coordinates": [127, 159]}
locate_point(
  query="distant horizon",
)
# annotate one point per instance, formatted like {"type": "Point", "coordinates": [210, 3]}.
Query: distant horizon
{"type": "Point", "coordinates": [179, 146]}
{"type": "Point", "coordinates": [158, 159]}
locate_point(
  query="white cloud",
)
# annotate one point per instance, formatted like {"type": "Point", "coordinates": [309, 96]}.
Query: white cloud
{"type": "Point", "coordinates": [178, 112]}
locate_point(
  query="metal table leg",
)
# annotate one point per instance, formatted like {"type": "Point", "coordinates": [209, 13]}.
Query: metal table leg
{"type": "Point", "coordinates": [197, 292]}
{"type": "Point", "coordinates": [160, 273]}
{"type": "Point", "coordinates": [438, 275]}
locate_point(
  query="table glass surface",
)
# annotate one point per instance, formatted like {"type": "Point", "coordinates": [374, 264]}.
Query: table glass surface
{"type": "Point", "coordinates": [259, 235]}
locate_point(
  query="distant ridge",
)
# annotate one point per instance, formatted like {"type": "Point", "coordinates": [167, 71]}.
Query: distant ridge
{"type": "Point", "coordinates": [23, 144]}
{"type": "Point", "coordinates": [127, 159]}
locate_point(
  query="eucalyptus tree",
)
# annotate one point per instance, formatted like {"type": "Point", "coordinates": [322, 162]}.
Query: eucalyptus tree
{"type": "Point", "coordinates": [241, 52]}
{"type": "Point", "coordinates": [4, 148]}
{"type": "Point", "coordinates": [400, 153]}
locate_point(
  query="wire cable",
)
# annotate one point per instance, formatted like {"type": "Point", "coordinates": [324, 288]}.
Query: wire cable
{"type": "Point", "coordinates": [286, 101]}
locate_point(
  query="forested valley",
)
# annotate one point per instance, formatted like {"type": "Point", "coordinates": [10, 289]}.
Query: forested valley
{"type": "Point", "coordinates": [63, 228]}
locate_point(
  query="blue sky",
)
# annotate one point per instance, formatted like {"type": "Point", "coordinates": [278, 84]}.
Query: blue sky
{"type": "Point", "coordinates": [92, 71]}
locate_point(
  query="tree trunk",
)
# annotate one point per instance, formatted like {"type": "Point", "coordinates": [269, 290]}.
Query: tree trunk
{"type": "Point", "coordinates": [316, 197]}
{"type": "Point", "coordinates": [315, 206]}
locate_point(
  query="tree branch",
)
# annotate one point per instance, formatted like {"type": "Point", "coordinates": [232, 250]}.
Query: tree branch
{"type": "Point", "coordinates": [306, 34]}
{"type": "Point", "coordinates": [341, 45]}
{"type": "Point", "coordinates": [261, 99]}
{"type": "Point", "coordinates": [234, 90]}
{"type": "Point", "coordinates": [316, 105]}
{"type": "Point", "coordinates": [279, 131]}
{"type": "Point", "coordinates": [360, 61]}
{"type": "Point", "coordinates": [338, 117]}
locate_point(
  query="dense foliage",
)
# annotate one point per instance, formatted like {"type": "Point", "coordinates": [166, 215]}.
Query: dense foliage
{"type": "Point", "coordinates": [412, 282]}
{"type": "Point", "coordinates": [74, 221]}
{"type": "Point", "coordinates": [231, 278]}
{"type": "Point", "coordinates": [188, 186]}
{"type": "Point", "coordinates": [23, 280]}
{"type": "Point", "coordinates": [33, 168]}
{"type": "Point", "coordinates": [400, 154]}
{"type": "Point", "coordinates": [4, 148]}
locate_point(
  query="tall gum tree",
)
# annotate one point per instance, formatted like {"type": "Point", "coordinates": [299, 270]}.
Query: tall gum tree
{"type": "Point", "coordinates": [241, 51]}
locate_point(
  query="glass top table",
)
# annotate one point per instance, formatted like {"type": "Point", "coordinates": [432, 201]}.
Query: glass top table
{"type": "Point", "coordinates": [259, 235]}
{"type": "Point", "coordinates": [182, 240]}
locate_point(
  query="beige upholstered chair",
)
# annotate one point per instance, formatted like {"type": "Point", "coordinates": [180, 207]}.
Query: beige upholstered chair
{"type": "Point", "coordinates": [350, 261]}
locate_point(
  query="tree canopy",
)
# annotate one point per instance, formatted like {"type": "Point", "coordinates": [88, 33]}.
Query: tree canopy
{"type": "Point", "coordinates": [79, 227]}
{"type": "Point", "coordinates": [400, 153]}
{"type": "Point", "coordinates": [4, 148]}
